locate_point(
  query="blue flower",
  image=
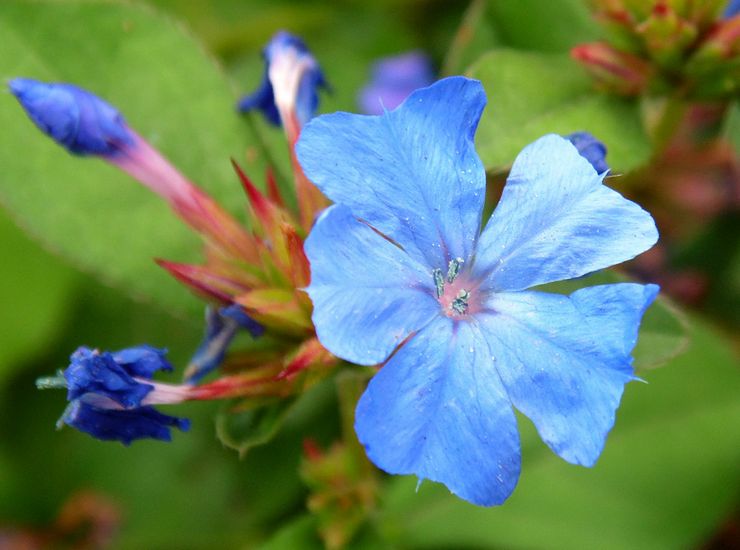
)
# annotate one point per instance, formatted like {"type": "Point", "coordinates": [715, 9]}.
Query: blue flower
{"type": "Point", "coordinates": [591, 149]}
{"type": "Point", "coordinates": [401, 273]}
{"type": "Point", "coordinates": [75, 118]}
{"type": "Point", "coordinates": [393, 79]}
{"type": "Point", "coordinates": [111, 394]}
{"type": "Point", "coordinates": [291, 82]}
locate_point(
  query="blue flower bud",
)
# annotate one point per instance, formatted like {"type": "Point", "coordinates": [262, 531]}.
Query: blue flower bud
{"type": "Point", "coordinates": [75, 118]}
{"type": "Point", "coordinates": [222, 326]}
{"type": "Point", "coordinates": [290, 84]}
{"type": "Point", "coordinates": [110, 394]}
{"type": "Point", "coordinates": [591, 149]}
{"type": "Point", "coordinates": [235, 312]}
{"type": "Point", "coordinates": [393, 79]}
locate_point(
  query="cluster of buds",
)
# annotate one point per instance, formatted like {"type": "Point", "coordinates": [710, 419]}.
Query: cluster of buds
{"type": "Point", "coordinates": [660, 45]}
{"type": "Point", "coordinates": [252, 278]}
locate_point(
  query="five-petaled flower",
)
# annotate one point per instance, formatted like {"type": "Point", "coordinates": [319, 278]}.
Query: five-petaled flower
{"type": "Point", "coordinates": [403, 274]}
{"type": "Point", "coordinates": [111, 394]}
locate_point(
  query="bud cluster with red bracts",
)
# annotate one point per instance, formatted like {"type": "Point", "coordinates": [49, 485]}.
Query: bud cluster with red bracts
{"type": "Point", "coordinates": [660, 45]}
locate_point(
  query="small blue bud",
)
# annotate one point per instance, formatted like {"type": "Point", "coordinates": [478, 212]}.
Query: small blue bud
{"type": "Point", "coordinates": [393, 79]}
{"type": "Point", "coordinates": [292, 75]}
{"type": "Point", "coordinates": [222, 326]}
{"type": "Point", "coordinates": [235, 312]}
{"type": "Point", "coordinates": [75, 118]}
{"type": "Point", "coordinates": [732, 9]}
{"type": "Point", "coordinates": [591, 149]}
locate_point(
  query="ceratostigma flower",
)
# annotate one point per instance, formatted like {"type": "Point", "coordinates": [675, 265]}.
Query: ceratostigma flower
{"type": "Point", "coordinates": [401, 273]}
{"type": "Point", "coordinates": [252, 278]}
{"type": "Point", "coordinates": [290, 84]}
{"type": "Point", "coordinates": [111, 394]}
{"type": "Point", "coordinates": [393, 79]}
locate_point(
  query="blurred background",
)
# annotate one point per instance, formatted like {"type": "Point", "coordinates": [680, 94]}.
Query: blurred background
{"type": "Point", "coordinates": [669, 476]}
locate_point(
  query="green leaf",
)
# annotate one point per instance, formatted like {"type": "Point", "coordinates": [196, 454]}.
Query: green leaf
{"type": "Point", "coordinates": [36, 291]}
{"type": "Point", "coordinates": [168, 89]}
{"type": "Point", "coordinates": [299, 533]}
{"type": "Point", "coordinates": [253, 423]}
{"type": "Point", "coordinates": [667, 477]}
{"type": "Point", "coordinates": [533, 94]}
{"type": "Point", "coordinates": [244, 425]}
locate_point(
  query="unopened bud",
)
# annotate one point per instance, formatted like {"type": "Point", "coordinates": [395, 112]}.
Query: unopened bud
{"type": "Point", "coordinates": [667, 35]}
{"type": "Point", "coordinates": [617, 71]}
{"type": "Point", "coordinates": [289, 90]}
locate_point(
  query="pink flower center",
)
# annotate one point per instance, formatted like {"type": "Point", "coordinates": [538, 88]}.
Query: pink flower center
{"type": "Point", "coordinates": [455, 290]}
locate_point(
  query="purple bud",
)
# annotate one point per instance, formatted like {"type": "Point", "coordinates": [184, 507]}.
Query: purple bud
{"type": "Point", "coordinates": [75, 118]}
{"type": "Point", "coordinates": [290, 84]}
{"type": "Point", "coordinates": [393, 79]}
{"type": "Point", "coordinates": [591, 149]}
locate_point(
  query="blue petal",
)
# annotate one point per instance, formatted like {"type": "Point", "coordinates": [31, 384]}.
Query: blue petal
{"type": "Point", "coordinates": [591, 149]}
{"type": "Point", "coordinates": [413, 173]}
{"type": "Point", "coordinates": [122, 425]}
{"type": "Point", "coordinates": [437, 409]}
{"type": "Point", "coordinates": [263, 99]}
{"type": "Point", "coordinates": [368, 295]}
{"type": "Point", "coordinates": [142, 361]}
{"type": "Point", "coordinates": [92, 372]}
{"type": "Point", "coordinates": [556, 221]}
{"type": "Point", "coordinates": [76, 119]}
{"type": "Point", "coordinates": [565, 359]}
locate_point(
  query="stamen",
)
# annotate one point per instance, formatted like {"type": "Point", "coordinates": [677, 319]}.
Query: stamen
{"type": "Point", "coordinates": [453, 269]}
{"type": "Point", "coordinates": [460, 303]}
{"type": "Point", "coordinates": [52, 382]}
{"type": "Point", "coordinates": [439, 282]}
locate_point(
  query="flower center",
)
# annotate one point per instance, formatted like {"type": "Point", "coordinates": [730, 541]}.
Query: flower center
{"type": "Point", "coordinates": [453, 291]}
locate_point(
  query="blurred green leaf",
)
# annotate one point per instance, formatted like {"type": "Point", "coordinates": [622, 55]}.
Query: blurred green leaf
{"type": "Point", "coordinates": [35, 292]}
{"type": "Point", "coordinates": [732, 127]}
{"type": "Point", "coordinates": [168, 89]}
{"type": "Point", "coordinates": [299, 533]}
{"type": "Point", "coordinates": [667, 477]}
{"type": "Point", "coordinates": [664, 334]}
{"type": "Point", "coordinates": [533, 94]}
{"type": "Point", "coordinates": [552, 26]}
